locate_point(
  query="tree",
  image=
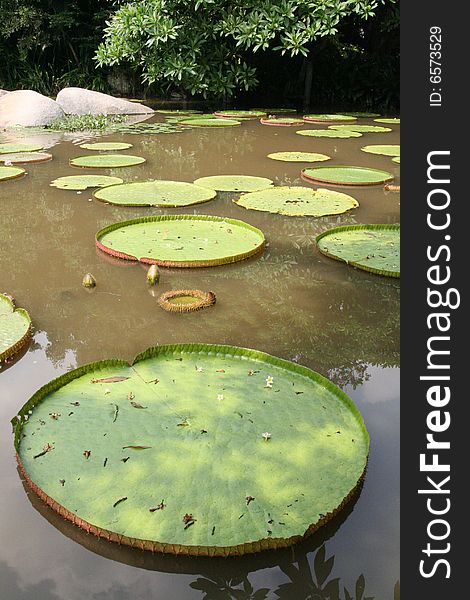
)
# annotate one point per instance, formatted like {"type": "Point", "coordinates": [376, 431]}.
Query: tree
{"type": "Point", "coordinates": [205, 46]}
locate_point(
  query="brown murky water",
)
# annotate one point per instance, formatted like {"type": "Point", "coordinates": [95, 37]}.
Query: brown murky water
{"type": "Point", "coordinates": [290, 301]}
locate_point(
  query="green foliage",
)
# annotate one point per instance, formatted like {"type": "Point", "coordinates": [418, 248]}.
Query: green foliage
{"type": "Point", "coordinates": [86, 122]}
{"type": "Point", "coordinates": [206, 46]}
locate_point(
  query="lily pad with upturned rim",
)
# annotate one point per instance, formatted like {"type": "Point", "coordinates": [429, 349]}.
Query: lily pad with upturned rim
{"type": "Point", "coordinates": [82, 182]}
{"type": "Point", "coordinates": [23, 158]}
{"type": "Point", "coordinates": [234, 183]}
{"type": "Point", "coordinates": [106, 146]}
{"type": "Point", "coordinates": [106, 161]}
{"type": "Point", "coordinates": [299, 156]}
{"type": "Point", "coordinates": [361, 128]}
{"type": "Point", "coordinates": [210, 122]}
{"type": "Point", "coordinates": [384, 149]}
{"type": "Point", "coordinates": [15, 328]}
{"type": "Point", "coordinates": [329, 133]}
{"type": "Point", "coordinates": [113, 465]}
{"type": "Point", "coordinates": [325, 118]}
{"type": "Point", "coordinates": [184, 301]}
{"type": "Point", "coordinates": [298, 201]}
{"type": "Point", "coordinates": [282, 122]}
{"type": "Point", "coordinates": [373, 248]}
{"type": "Point", "coordinates": [155, 193]}
{"type": "Point", "coordinates": [392, 121]}
{"type": "Point", "coordinates": [7, 173]}
{"type": "Point", "coordinates": [240, 114]}
{"type": "Point", "coordinates": [8, 147]}
{"type": "Point", "coordinates": [346, 175]}
{"type": "Point", "coordinates": [181, 240]}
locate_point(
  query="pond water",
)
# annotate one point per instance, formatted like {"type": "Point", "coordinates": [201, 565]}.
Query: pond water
{"type": "Point", "coordinates": [289, 301]}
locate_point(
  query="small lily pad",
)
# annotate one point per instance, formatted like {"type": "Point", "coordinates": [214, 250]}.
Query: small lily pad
{"type": "Point", "coordinates": [15, 328]}
{"type": "Point", "coordinates": [329, 133]}
{"type": "Point", "coordinates": [210, 122]}
{"type": "Point", "coordinates": [82, 182]}
{"type": "Point", "coordinates": [10, 173]}
{"type": "Point", "coordinates": [361, 128]}
{"type": "Point", "coordinates": [329, 118]}
{"type": "Point", "coordinates": [392, 121]}
{"type": "Point", "coordinates": [298, 201]}
{"type": "Point", "coordinates": [373, 248]}
{"type": "Point", "coordinates": [106, 161]}
{"type": "Point", "coordinates": [183, 301]}
{"type": "Point", "coordinates": [155, 193]}
{"type": "Point", "coordinates": [22, 158]}
{"type": "Point", "coordinates": [8, 147]}
{"type": "Point", "coordinates": [346, 175]}
{"type": "Point", "coordinates": [107, 146]}
{"type": "Point", "coordinates": [282, 121]}
{"type": "Point", "coordinates": [147, 128]}
{"type": "Point", "coordinates": [240, 114]}
{"type": "Point", "coordinates": [299, 156]}
{"type": "Point", "coordinates": [385, 149]}
{"type": "Point", "coordinates": [234, 183]}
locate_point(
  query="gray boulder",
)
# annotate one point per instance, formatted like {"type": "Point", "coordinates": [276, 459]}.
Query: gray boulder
{"type": "Point", "coordinates": [78, 101]}
{"type": "Point", "coordinates": [27, 108]}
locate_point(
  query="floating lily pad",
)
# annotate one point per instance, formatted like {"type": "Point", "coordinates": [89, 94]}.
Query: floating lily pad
{"type": "Point", "coordinates": [147, 128]}
{"type": "Point", "coordinates": [82, 182]}
{"type": "Point", "coordinates": [234, 183]}
{"type": "Point", "coordinates": [329, 133]}
{"type": "Point", "coordinates": [385, 149]}
{"type": "Point", "coordinates": [392, 121]}
{"type": "Point", "coordinates": [346, 175]}
{"type": "Point", "coordinates": [22, 158]}
{"type": "Point", "coordinates": [106, 161]}
{"type": "Point", "coordinates": [8, 147]}
{"type": "Point", "coordinates": [298, 201]}
{"type": "Point", "coordinates": [282, 121]}
{"type": "Point", "coordinates": [10, 173]}
{"type": "Point", "coordinates": [374, 248]}
{"type": "Point", "coordinates": [240, 114]}
{"type": "Point", "coordinates": [396, 159]}
{"type": "Point", "coordinates": [362, 115]}
{"type": "Point", "coordinates": [106, 146]}
{"type": "Point", "coordinates": [181, 241]}
{"type": "Point", "coordinates": [177, 111]}
{"type": "Point", "coordinates": [276, 111]}
{"type": "Point", "coordinates": [299, 156]}
{"type": "Point", "coordinates": [361, 128]}
{"type": "Point", "coordinates": [329, 118]}
{"type": "Point", "coordinates": [15, 328]}
{"type": "Point", "coordinates": [155, 193]}
{"type": "Point", "coordinates": [185, 451]}
{"type": "Point", "coordinates": [183, 301]}
{"type": "Point", "coordinates": [210, 122]}
{"type": "Point", "coordinates": [190, 117]}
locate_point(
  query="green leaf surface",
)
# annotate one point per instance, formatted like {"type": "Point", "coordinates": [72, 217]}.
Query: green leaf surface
{"type": "Point", "coordinates": [82, 182]}
{"type": "Point", "coordinates": [182, 241]}
{"type": "Point", "coordinates": [361, 128]}
{"type": "Point", "coordinates": [147, 128]}
{"type": "Point", "coordinates": [298, 201]}
{"type": "Point", "coordinates": [106, 161]}
{"type": "Point", "coordinates": [202, 122]}
{"type": "Point", "coordinates": [322, 118]}
{"type": "Point", "coordinates": [282, 121]}
{"type": "Point", "coordinates": [177, 111]}
{"type": "Point", "coordinates": [155, 193]}
{"type": "Point", "coordinates": [205, 461]}
{"type": "Point", "coordinates": [385, 149]}
{"type": "Point", "coordinates": [299, 156]}
{"type": "Point", "coordinates": [18, 147]}
{"type": "Point", "coordinates": [347, 175]}
{"type": "Point", "coordinates": [22, 158]}
{"type": "Point", "coordinates": [10, 173]}
{"type": "Point", "coordinates": [392, 121]}
{"type": "Point", "coordinates": [362, 115]}
{"type": "Point", "coordinates": [396, 159]}
{"type": "Point", "coordinates": [374, 248]}
{"type": "Point", "coordinates": [107, 146]}
{"type": "Point", "coordinates": [234, 183]}
{"type": "Point", "coordinates": [15, 325]}
{"type": "Point", "coordinates": [240, 114]}
{"type": "Point", "coordinates": [329, 133]}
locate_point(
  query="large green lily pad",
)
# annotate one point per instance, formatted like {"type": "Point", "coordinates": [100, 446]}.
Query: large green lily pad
{"type": "Point", "coordinates": [298, 201]}
{"type": "Point", "coordinates": [374, 248]}
{"type": "Point", "coordinates": [361, 128]}
{"type": "Point", "coordinates": [15, 328]}
{"type": "Point", "coordinates": [107, 146]}
{"type": "Point", "coordinates": [23, 158]}
{"type": "Point", "coordinates": [240, 114]}
{"type": "Point", "coordinates": [385, 149]}
{"type": "Point", "coordinates": [10, 173]}
{"type": "Point", "coordinates": [193, 449]}
{"type": "Point", "coordinates": [82, 182]}
{"type": "Point", "coordinates": [392, 121]}
{"type": "Point", "coordinates": [347, 175]}
{"type": "Point", "coordinates": [329, 118]}
{"type": "Point", "coordinates": [8, 147]}
{"type": "Point", "coordinates": [181, 241]}
{"type": "Point", "coordinates": [282, 121]}
{"type": "Point", "coordinates": [234, 183]}
{"type": "Point", "coordinates": [210, 122]}
{"type": "Point", "coordinates": [362, 115]}
{"type": "Point", "coordinates": [107, 161]}
{"type": "Point", "coordinates": [155, 193]}
{"type": "Point", "coordinates": [329, 133]}
{"type": "Point", "coordinates": [299, 156]}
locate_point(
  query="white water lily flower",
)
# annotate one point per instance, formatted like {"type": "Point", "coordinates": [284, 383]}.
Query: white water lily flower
{"type": "Point", "coordinates": [266, 436]}
{"type": "Point", "coordinates": [220, 397]}
{"type": "Point", "coordinates": [269, 381]}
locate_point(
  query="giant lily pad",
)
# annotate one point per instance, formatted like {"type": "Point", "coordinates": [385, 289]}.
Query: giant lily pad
{"type": "Point", "coordinates": [82, 182]}
{"type": "Point", "coordinates": [210, 122]}
{"type": "Point", "coordinates": [299, 156]}
{"type": "Point", "coordinates": [329, 133]}
{"type": "Point", "coordinates": [392, 121]}
{"type": "Point", "coordinates": [23, 158]}
{"type": "Point", "coordinates": [374, 248]}
{"type": "Point", "coordinates": [361, 128]}
{"type": "Point", "coordinates": [298, 201]}
{"type": "Point", "coordinates": [15, 328]}
{"type": "Point", "coordinates": [106, 161]}
{"type": "Point", "coordinates": [181, 241]}
{"type": "Point", "coordinates": [282, 121]}
{"type": "Point", "coordinates": [107, 146]}
{"type": "Point", "coordinates": [346, 175]}
{"type": "Point", "coordinates": [385, 149]}
{"type": "Point", "coordinates": [155, 193]}
{"type": "Point", "coordinates": [240, 114]}
{"type": "Point", "coordinates": [8, 147]}
{"type": "Point", "coordinates": [329, 118]}
{"type": "Point", "coordinates": [193, 449]}
{"type": "Point", "coordinates": [234, 183]}
{"type": "Point", "coordinates": [10, 173]}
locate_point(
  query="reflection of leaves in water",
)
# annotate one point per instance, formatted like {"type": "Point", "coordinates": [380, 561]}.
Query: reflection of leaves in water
{"type": "Point", "coordinates": [238, 588]}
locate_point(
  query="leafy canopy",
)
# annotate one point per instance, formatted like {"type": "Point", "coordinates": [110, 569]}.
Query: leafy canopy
{"type": "Point", "coordinates": [204, 46]}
